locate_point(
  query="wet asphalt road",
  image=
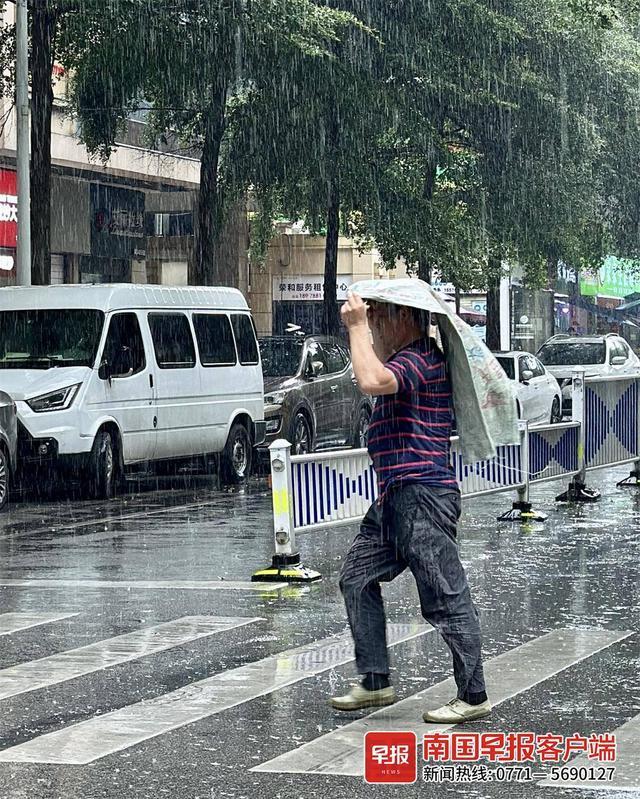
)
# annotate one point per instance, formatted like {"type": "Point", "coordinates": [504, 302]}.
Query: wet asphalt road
{"type": "Point", "coordinates": [174, 544]}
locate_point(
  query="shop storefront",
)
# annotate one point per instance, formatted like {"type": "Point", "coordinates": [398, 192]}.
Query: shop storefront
{"type": "Point", "coordinates": [118, 239]}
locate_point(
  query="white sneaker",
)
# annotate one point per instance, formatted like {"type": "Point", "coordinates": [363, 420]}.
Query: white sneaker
{"type": "Point", "coordinates": [456, 711]}
{"type": "Point", "coordinates": [359, 697]}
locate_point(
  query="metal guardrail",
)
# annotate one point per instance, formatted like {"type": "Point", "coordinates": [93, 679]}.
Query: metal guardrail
{"type": "Point", "coordinates": [327, 489]}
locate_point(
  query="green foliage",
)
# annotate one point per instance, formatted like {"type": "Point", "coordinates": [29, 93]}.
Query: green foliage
{"type": "Point", "coordinates": [451, 134]}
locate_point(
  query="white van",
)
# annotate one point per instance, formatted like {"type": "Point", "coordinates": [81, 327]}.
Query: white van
{"type": "Point", "coordinates": [107, 376]}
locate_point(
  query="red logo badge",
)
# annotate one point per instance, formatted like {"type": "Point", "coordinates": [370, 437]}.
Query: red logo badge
{"type": "Point", "coordinates": [390, 757]}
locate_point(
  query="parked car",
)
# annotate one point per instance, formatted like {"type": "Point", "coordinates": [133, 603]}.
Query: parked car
{"type": "Point", "coordinates": [8, 446]}
{"type": "Point", "coordinates": [311, 396]}
{"type": "Point", "coordinates": [108, 376]}
{"type": "Point", "coordinates": [538, 394]}
{"type": "Point", "coordinates": [606, 355]}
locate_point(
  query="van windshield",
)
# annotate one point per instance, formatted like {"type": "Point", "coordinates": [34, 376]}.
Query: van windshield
{"type": "Point", "coordinates": [44, 339]}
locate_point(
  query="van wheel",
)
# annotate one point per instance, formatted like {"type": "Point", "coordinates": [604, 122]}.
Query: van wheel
{"type": "Point", "coordinates": [237, 456]}
{"type": "Point", "coordinates": [102, 467]}
{"type": "Point", "coordinates": [556, 412]}
{"type": "Point", "coordinates": [4, 479]}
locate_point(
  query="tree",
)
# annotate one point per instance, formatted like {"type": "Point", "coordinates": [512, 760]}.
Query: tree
{"type": "Point", "coordinates": [46, 19]}
{"type": "Point", "coordinates": [319, 162]}
{"type": "Point", "coordinates": [193, 66]}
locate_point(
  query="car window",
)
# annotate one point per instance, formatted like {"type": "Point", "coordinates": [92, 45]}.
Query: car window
{"type": "Point", "coordinates": [280, 357]}
{"type": "Point", "coordinates": [246, 339]}
{"type": "Point", "coordinates": [527, 364]}
{"type": "Point", "coordinates": [536, 367]}
{"type": "Point", "coordinates": [124, 347]}
{"type": "Point", "coordinates": [172, 341]}
{"type": "Point", "coordinates": [215, 339]}
{"type": "Point", "coordinates": [315, 353]}
{"type": "Point", "coordinates": [619, 349]}
{"type": "Point", "coordinates": [334, 359]}
{"type": "Point", "coordinates": [345, 354]}
{"type": "Point", "coordinates": [572, 353]}
{"type": "Point", "coordinates": [508, 364]}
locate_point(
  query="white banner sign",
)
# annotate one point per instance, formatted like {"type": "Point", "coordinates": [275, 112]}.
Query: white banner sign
{"type": "Point", "coordinates": [307, 287]}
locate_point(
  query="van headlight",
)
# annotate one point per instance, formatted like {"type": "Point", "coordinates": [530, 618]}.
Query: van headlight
{"type": "Point", "coordinates": [58, 400]}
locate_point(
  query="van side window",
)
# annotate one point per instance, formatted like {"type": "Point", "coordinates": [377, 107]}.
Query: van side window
{"type": "Point", "coordinates": [245, 338]}
{"type": "Point", "coordinates": [124, 347]}
{"type": "Point", "coordinates": [215, 339]}
{"type": "Point", "coordinates": [172, 341]}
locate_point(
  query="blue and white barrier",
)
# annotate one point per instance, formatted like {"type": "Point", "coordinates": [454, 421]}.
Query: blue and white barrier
{"type": "Point", "coordinates": [326, 489]}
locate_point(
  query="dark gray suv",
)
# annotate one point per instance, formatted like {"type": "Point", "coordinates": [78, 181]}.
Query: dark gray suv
{"type": "Point", "coordinates": [311, 397]}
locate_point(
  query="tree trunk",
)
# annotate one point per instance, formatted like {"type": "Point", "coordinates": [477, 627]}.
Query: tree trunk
{"type": "Point", "coordinates": [457, 296]}
{"type": "Point", "coordinates": [425, 269]}
{"type": "Point", "coordinates": [493, 304]}
{"type": "Point", "coordinates": [330, 313]}
{"type": "Point", "coordinates": [42, 55]}
{"type": "Point", "coordinates": [552, 269]}
{"type": "Point", "coordinates": [207, 268]}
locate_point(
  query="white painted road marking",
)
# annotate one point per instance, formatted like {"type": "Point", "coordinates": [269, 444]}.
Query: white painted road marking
{"type": "Point", "coordinates": [112, 732]}
{"type": "Point", "coordinates": [63, 666]}
{"type": "Point", "coordinates": [627, 764]}
{"type": "Point", "coordinates": [186, 585]}
{"type": "Point", "coordinates": [509, 674]}
{"type": "Point", "coordinates": [13, 622]}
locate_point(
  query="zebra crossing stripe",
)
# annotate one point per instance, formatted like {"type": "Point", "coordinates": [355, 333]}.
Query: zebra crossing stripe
{"type": "Point", "coordinates": [507, 675]}
{"type": "Point", "coordinates": [54, 669]}
{"type": "Point", "coordinates": [627, 764]}
{"type": "Point", "coordinates": [112, 732]}
{"type": "Point", "coordinates": [186, 585]}
{"type": "Point", "coordinates": [13, 622]}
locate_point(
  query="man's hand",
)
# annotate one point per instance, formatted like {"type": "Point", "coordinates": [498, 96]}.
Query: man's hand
{"type": "Point", "coordinates": [354, 312]}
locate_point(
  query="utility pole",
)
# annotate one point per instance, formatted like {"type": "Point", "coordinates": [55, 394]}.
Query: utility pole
{"type": "Point", "coordinates": [23, 267]}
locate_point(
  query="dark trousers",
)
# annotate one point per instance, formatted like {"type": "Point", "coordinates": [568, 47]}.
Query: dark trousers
{"type": "Point", "coordinates": [415, 527]}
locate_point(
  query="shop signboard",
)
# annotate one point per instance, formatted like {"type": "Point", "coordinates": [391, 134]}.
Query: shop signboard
{"type": "Point", "coordinates": [307, 288]}
{"type": "Point", "coordinates": [8, 208]}
{"type": "Point", "coordinates": [615, 278]}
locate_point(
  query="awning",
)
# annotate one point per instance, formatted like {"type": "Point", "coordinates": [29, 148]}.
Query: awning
{"type": "Point", "coordinates": [626, 306]}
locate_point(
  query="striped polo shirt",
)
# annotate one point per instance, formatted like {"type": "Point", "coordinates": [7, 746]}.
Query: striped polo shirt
{"type": "Point", "coordinates": [410, 431]}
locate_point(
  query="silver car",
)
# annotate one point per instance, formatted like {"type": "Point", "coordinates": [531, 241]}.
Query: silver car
{"type": "Point", "coordinates": [8, 445]}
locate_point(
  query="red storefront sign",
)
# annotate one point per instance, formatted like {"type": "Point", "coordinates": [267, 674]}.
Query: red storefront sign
{"type": "Point", "coordinates": [8, 208]}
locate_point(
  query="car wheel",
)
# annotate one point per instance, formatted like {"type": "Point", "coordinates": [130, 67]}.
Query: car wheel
{"type": "Point", "coordinates": [4, 479]}
{"type": "Point", "coordinates": [102, 467]}
{"type": "Point", "coordinates": [237, 456]}
{"type": "Point", "coordinates": [360, 437]}
{"type": "Point", "coordinates": [301, 443]}
{"type": "Point", "coordinates": [556, 411]}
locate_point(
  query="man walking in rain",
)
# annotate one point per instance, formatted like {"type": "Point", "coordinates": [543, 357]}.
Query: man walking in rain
{"type": "Point", "coordinates": [413, 523]}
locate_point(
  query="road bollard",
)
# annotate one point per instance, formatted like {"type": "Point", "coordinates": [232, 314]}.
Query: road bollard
{"type": "Point", "coordinates": [286, 563]}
